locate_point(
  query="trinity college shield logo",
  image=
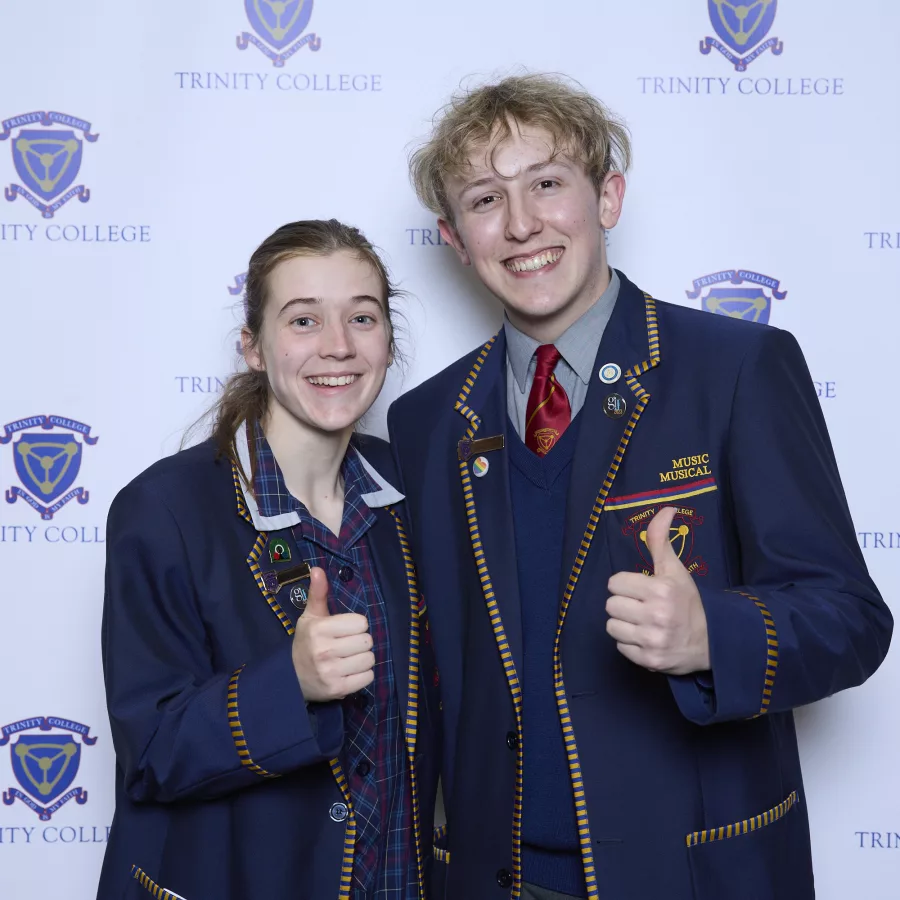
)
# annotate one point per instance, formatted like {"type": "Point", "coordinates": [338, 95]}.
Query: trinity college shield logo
{"type": "Point", "coordinates": [47, 462]}
{"type": "Point", "coordinates": [45, 764]}
{"type": "Point", "coordinates": [278, 25]}
{"type": "Point", "coordinates": [47, 159]}
{"type": "Point", "coordinates": [742, 27]}
{"type": "Point", "coordinates": [746, 295]}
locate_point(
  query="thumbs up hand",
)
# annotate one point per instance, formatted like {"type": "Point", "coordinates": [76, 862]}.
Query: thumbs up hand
{"type": "Point", "coordinates": [658, 621]}
{"type": "Point", "coordinates": [332, 654]}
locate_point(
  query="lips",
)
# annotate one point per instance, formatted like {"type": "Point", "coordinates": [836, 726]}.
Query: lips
{"type": "Point", "coordinates": [534, 263]}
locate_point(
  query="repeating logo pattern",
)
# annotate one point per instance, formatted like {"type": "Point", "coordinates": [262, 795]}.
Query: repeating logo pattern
{"type": "Point", "coordinates": [742, 27]}
{"type": "Point", "coordinates": [47, 462]}
{"type": "Point", "coordinates": [753, 302]}
{"type": "Point", "coordinates": [278, 25]}
{"type": "Point", "coordinates": [45, 764]}
{"type": "Point", "coordinates": [47, 159]}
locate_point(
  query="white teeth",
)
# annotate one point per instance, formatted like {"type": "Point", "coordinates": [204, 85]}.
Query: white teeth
{"type": "Point", "coordinates": [332, 380]}
{"type": "Point", "coordinates": [534, 262]}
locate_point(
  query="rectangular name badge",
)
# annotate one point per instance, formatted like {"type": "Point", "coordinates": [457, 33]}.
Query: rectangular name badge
{"type": "Point", "coordinates": [275, 581]}
{"type": "Point", "coordinates": [466, 449]}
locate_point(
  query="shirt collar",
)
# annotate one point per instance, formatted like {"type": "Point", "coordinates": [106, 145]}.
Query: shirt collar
{"type": "Point", "coordinates": [272, 507]}
{"type": "Point", "coordinates": [578, 344]}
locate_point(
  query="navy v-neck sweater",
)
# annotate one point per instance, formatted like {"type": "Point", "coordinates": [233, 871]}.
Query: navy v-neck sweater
{"type": "Point", "coordinates": [539, 488]}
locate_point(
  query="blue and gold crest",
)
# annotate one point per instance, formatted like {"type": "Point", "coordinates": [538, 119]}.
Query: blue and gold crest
{"type": "Point", "coordinates": [45, 764]}
{"type": "Point", "coordinates": [47, 462]}
{"type": "Point", "coordinates": [743, 28]}
{"type": "Point", "coordinates": [279, 25]}
{"type": "Point", "coordinates": [47, 159]}
{"type": "Point", "coordinates": [746, 295]}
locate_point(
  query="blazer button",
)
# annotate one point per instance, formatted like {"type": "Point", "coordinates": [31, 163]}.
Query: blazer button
{"type": "Point", "coordinates": [504, 879]}
{"type": "Point", "coordinates": [345, 573]}
{"type": "Point", "coordinates": [512, 740]}
{"type": "Point", "coordinates": [338, 812]}
{"type": "Point", "coordinates": [363, 768]}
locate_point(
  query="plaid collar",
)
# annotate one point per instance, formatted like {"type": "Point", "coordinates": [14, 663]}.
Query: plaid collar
{"type": "Point", "coordinates": [271, 505]}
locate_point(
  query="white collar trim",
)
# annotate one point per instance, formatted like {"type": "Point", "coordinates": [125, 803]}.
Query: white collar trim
{"type": "Point", "coordinates": [386, 494]}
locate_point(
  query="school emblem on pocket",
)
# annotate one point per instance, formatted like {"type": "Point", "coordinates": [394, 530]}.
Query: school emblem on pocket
{"type": "Point", "coordinates": [681, 537]}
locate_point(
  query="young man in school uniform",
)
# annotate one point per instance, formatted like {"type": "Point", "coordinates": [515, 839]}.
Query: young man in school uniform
{"type": "Point", "coordinates": [633, 540]}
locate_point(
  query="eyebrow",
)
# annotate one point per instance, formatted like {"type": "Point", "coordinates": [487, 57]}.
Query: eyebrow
{"type": "Point", "coordinates": [534, 167]}
{"type": "Point", "coordinates": [311, 301]}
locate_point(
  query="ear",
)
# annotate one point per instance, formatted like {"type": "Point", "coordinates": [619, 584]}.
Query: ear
{"type": "Point", "coordinates": [451, 236]}
{"type": "Point", "coordinates": [251, 351]}
{"type": "Point", "coordinates": [612, 194]}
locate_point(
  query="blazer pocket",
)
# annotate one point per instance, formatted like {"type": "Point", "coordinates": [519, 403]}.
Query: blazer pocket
{"type": "Point", "coordinates": [752, 859]}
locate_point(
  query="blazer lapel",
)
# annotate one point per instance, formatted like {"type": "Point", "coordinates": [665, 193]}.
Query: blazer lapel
{"type": "Point", "coordinates": [482, 403]}
{"type": "Point", "coordinates": [263, 566]}
{"type": "Point", "coordinates": [631, 342]}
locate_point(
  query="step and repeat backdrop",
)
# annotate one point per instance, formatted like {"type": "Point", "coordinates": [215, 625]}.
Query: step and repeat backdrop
{"type": "Point", "coordinates": [146, 149]}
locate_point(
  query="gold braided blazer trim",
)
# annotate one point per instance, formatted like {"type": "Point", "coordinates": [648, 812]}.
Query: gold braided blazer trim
{"type": "Point", "coordinates": [237, 730]}
{"type": "Point", "coordinates": [737, 828]}
{"type": "Point", "coordinates": [412, 698]}
{"type": "Point", "coordinates": [146, 881]}
{"type": "Point", "coordinates": [771, 652]}
{"type": "Point", "coordinates": [442, 856]}
{"type": "Point", "coordinates": [493, 610]}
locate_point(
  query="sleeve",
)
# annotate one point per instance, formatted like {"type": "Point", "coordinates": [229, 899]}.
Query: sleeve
{"type": "Point", "coordinates": [182, 729]}
{"type": "Point", "coordinates": [806, 621]}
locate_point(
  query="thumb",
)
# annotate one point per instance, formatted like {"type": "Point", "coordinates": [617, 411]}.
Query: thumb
{"type": "Point", "coordinates": [659, 543]}
{"type": "Point", "coordinates": [317, 600]}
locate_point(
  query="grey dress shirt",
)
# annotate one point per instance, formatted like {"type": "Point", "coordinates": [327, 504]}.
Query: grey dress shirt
{"type": "Point", "coordinates": [578, 346]}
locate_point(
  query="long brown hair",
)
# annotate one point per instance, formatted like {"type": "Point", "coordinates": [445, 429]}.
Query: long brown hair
{"type": "Point", "coordinates": [245, 397]}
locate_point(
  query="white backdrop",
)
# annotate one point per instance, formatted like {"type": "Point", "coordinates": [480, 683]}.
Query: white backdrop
{"type": "Point", "coordinates": [117, 316]}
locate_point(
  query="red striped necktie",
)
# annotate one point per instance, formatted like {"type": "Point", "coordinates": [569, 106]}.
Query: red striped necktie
{"type": "Point", "coordinates": [548, 412]}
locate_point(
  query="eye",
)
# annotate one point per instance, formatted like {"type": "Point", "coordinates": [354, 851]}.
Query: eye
{"type": "Point", "coordinates": [364, 319]}
{"type": "Point", "coordinates": [549, 183]}
{"type": "Point", "coordinates": [484, 202]}
{"type": "Point", "coordinates": [302, 321]}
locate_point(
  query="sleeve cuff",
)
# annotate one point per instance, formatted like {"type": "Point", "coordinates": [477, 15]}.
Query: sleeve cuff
{"type": "Point", "coordinates": [270, 723]}
{"type": "Point", "coordinates": [737, 687]}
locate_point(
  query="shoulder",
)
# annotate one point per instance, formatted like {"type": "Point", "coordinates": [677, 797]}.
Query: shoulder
{"type": "Point", "coordinates": [377, 453]}
{"type": "Point", "coordinates": [439, 392]}
{"type": "Point", "coordinates": [708, 326]}
{"type": "Point", "coordinates": [193, 478]}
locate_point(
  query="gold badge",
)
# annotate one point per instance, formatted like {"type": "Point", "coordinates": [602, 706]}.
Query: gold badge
{"type": "Point", "coordinates": [545, 438]}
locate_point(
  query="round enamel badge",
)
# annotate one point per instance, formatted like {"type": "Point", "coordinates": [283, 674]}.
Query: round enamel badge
{"type": "Point", "coordinates": [610, 373]}
{"type": "Point", "coordinates": [480, 465]}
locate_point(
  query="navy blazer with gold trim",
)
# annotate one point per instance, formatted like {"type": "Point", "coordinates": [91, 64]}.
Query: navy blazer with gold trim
{"type": "Point", "coordinates": [687, 788]}
{"type": "Point", "coordinates": [227, 788]}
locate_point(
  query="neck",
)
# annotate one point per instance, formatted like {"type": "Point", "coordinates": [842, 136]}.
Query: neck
{"type": "Point", "coordinates": [548, 328]}
{"type": "Point", "coordinates": [310, 460]}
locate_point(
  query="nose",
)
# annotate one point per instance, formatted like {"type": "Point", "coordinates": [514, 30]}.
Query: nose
{"type": "Point", "coordinates": [522, 219]}
{"type": "Point", "coordinates": [336, 341]}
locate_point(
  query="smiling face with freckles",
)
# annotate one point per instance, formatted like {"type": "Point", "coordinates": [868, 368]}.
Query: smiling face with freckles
{"type": "Point", "coordinates": [324, 343]}
{"type": "Point", "coordinates": [532, 225]}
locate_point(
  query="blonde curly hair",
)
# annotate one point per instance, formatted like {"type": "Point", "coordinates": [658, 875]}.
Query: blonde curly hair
{"type": "Point", "coordinates": [580, 125]}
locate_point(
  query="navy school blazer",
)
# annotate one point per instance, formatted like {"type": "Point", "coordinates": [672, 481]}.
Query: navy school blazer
{"type": "Point", "coordinates": [685, 788]}
{"type": "Point", "coordinates": [225, 788]}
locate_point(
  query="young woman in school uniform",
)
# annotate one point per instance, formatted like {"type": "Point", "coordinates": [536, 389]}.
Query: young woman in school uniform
{"type": "Point", "coordinates": [268, 677]}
